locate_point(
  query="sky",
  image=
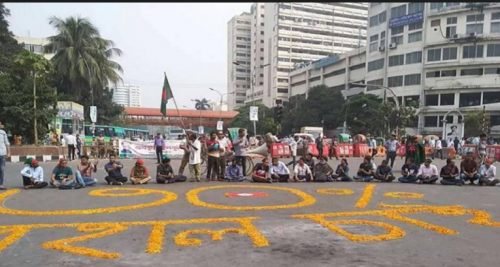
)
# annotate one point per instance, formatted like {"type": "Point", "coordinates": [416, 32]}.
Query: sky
{"type": "Point", "coordinates": [188, 41]}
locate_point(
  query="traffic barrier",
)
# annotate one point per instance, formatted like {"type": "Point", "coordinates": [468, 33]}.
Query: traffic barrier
{"type": "Point", "coordinates": [469, 148]}
{"type": "Point", "coordinates": [381, 151]}
{"type": "Point", "coordinates": [313, 149]}
{"type": "Point", "coordinates": [345, 150]}
{"type": "Point", "coordinates": [493, 152]}
{"type": "Point", "coordinates": [361, 150]}
{"type": "Point", "coordinates": [280, 150]}
{"type": "Point", "coordinates": [370, 151]}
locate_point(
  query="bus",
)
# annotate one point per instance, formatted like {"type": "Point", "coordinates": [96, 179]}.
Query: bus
{"type": "Point", "coordinates": [109, 131]}
{"type": "Point", "coordinates": [174, 133]}
{"type": "Point", "coordinates": [315, 131]}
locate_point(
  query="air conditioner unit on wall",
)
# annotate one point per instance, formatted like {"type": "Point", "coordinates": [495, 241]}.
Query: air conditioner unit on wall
{"type": "Point", "coordinates": [455, 36]}
{"type": "Point", "coordinates": [381, 48]}
{"type": "Point", "coordinates": [473, 34]}
{"type": "Point", "coordinates": [393, 45]}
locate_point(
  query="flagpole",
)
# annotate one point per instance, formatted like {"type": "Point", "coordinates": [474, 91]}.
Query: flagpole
{"type": "Point", "coordinates": [177, 108]}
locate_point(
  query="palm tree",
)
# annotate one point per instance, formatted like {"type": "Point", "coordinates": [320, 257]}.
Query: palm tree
{"type": "Point", "coordinates": [201, 104]}
{"type": "Point", "coordinates": [82, 58]}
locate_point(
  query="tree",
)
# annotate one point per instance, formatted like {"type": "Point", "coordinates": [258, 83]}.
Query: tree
{"type": "Point", "coordinates": [201, 104]}
{"type": "Point", "coordinates": [473, 123]}
{"type": "Point", "coordinates": [399, 119]}
{"type": "Point", "coordinates": [365, 114]}
{"type": "Point", "coordinates": [9, 47]}
{"type": "Point", "coordinates": [242, 120]}
{"type": "Point", "coordinates": [83, 61]}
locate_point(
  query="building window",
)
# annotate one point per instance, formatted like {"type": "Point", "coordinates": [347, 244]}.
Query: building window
{"type": "Point", "coordinates": [469, 99]}
{"type": "Point", "coordinates": [449, 73]}
{"type": "Point", "coordinates": [375, 65]}
{"type": "Point", "coordinates": [433, 55]}
{"type": "Point", "coordinates": [373, 47]}
{"type": "Point", "coordinates": [471, 72]}
{"type": "Point", "coordinates": [450, 53]}
{"type": "Point", "coordinates": [447, 99]}
{"type": "Point", "coordinates": [313, 79]}
{"type": "Point", "coordinates": [261, 15]}
{"type": "Point", "coordinates": [435, 23]}
{"type": "Point", "coordinates": [397, 30]}
{"type": "Point", "coordinates": [374, 38]}
{"type": "Point", "coordinates": [415, 37]}
{"type": "Point", "coordinates": [262, 50]}
{"type": "Point", "coordinates": [262, 24]}
{"type": "Point", "coordinates": [433, 74]}
{"type": "Point", "coordinates": [495, 27]}
{"type": "Point", "coordinates": [374, 84]}
{"type": "Point", "coordinates": [398, 11]}
{"type": "Point", "coordinates": [356, 67]}
{"type": "Point", "coordinates": [476, 25]}
{"type": "Point", "coordinates": [437, 5]}
{"type": "Point", "coordinates": [395, 81]}
{"type": "Point", "coordinates": [473, 51]}
{"type": "Point", "coordinates": [491, 97]}
{"type": "Point", "coordinates": [413, 58]}
{"type": "Point", "coordinates": [397, 39]}
{"type": "Point", "coordinates": [431, 121]}
{"type": "Point", "coordinates": [451, 26]}
{"type": "Point", "coordinates": [431, 100]}
{"type": "Point", "coordinates": [374, 4]}
{"type": "Point", "coordinates": [492, 71]}
{"type": "Point", "coordinates": [283, 90]}
{"type": "Point", "coordinates": [261, 41]}
{"type": "Point", "coordinates": [378, 19]}
{"type": "Point", "coordinates": [397, 60]}
{"type": "Point", "coordinates": [239, 101]}
{"type": "Point", "coordinates": [449, 119]}
{"type": "Point", "coordinates": [475, 18]}
{"type": "Point", "coordinates": [415, 7]}
{"type": "Point", "coordinates": [412, 79]}
{"type": "Point", "coordinates": [334, 73]}
{"type": "Point", "coordinates": [286, 80]}
{"type": "Point", "coordinates": [415, 26]}
{"type": "Point", "coordinates": [495, 16]}
{"type": "Point", "coordinates": [493, 50]}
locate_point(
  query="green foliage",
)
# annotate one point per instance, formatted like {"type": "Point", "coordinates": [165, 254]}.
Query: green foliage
{"type": "Point", "coordinates": [9, 47]}
{"type": "Point", "coordinates": [473, 123]}
{"type": "Point", "coordinates": [201, 104]}
{"type": "Point", "coordinates": [400, 118]}
{"type": "Point", "coordinates": [242, 120]}
{"type": "Point", "coordinates": [322, 108]}
{"type": "Point", "coordinates": [364, 114]}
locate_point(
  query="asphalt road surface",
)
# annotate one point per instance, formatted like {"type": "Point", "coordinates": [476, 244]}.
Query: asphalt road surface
{"type": "Point", "coordinates": [290, 241]}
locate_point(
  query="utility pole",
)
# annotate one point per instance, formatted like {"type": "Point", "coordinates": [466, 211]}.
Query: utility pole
{"type": "Point", "coordinates": [35, 127]}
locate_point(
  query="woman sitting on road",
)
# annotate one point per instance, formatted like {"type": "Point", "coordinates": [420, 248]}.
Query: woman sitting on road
{"type": "Point", "coordinates": [342, 172]}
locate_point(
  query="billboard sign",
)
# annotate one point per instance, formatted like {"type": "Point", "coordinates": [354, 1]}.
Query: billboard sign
{"type": "Point", "coordinates": [405, 20]}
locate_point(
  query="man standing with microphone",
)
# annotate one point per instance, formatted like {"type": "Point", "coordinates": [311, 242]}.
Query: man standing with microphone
{"type": "Point", "coordinates": [159, 144]}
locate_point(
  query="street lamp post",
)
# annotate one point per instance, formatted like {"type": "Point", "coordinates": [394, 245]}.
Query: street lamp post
{"type": "Point", "coordinates": [396, 100]}
{"type": "Point", "coordinates": [252, 88]}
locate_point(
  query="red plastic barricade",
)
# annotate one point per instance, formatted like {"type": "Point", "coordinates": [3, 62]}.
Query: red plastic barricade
{"type": "Point", "coordinates": [493, 152]}
{"type": "Point", "coordinates": [314, 150]}
{"type": "Point", "coordinates": [361, 150]}
{"type": "Point", "coordinates": [280, 150]}
{"type": "Point", "coordinates": [345, 150]}
{"type": "Point", "coordinates": [469, 148]}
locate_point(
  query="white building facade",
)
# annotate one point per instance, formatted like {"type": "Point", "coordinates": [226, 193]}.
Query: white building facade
{"type": "Point", "coordinates": [239, 46]}
{"type": "Point", "coordinates": [445, 56]}
{"type": "Point", "coordinates": [35, 45]}
{"type": "Point", "coordinates": [297, 33]}
{"type": "Point", "coordinates": [127, 95]}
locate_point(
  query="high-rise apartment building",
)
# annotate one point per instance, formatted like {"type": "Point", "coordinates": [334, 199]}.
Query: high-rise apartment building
{"type": "Point", "coordinates": [300, 33]}
{"type": "Point", "coordinates": [34, 45]}
{"type": "Point", "coordinates": [127, 95]}
{"type": "Point", "coordinates": [238, 59]}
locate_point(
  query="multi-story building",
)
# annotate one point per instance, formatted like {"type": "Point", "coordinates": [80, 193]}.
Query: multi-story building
{"type": "Point", "coordinates": [34, 45]}
{"type": "Point", "coordinates": [217, 105]}
{"type": "Point", "coordinates": [127, 95]}
{"type": "Point", "coordinates": [298, 33]}
{"type": "Point", "coordinates": [445, 56]}
{"type": "Point", "coordinates": [258, 47]}
{"type": "Point", "coordinates": [238, 59]}
{"type": "Point", "coordinates": [340, 73]}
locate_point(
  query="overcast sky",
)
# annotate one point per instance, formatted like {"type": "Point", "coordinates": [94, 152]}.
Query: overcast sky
{"type": "Point", "coordinates": [187, 40]}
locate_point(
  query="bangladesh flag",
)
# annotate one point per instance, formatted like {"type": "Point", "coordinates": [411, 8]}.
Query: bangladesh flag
{"type": "Point", "coordinates": [165, 96]}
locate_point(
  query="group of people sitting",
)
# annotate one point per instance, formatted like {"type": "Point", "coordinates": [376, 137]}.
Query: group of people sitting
{"type": "Point", "coordinates": [306, 171]}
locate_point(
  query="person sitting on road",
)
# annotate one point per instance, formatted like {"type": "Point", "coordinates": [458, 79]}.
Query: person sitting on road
{"type": "Point", "coordinates": [261, 172]}
{"type": "Point", "coordinates": [384, 172]}
{"type": "Point", "coordinates": [342, 172]}
{"type": "Point", "coordinates": [469, 170]}
{"type": "Point", "coordinates": [449, 173]}
{"type": "Point", "coordinates": [139, 174]}
{"type": "Point", "coordinates": [32, 174]}
{"type": "Point", "coordinates": [409, 172]}
{"type": "Point", "coordinates": [365, 171]}
{"type": "Point", "coordinates": [114, 170]}
{"type": "Point", "coordinates": [234, 172]}
{"type": "Point", "coordinates": [279, 171]}
{"type": "Point", "coordinates": [322, 171]}
{"type": "Point", "coordinates": [428, 173]}
{"type": "Point", "coordinates": [84, 171]}
{"type": "Point", "coordinates": [302, 173]}
{"type": "Point", "coordinates": [488, 173]}
{"type": "Point", "coordinates": [309, 161]}
{"type": "Point", "coordinates": [164, 172]}
{"type": "Point", "coordinates": [62, 174]}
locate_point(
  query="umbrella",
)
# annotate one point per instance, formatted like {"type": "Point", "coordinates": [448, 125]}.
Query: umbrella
{"type": "Point", "coordinates": [431, 137]}
{"type": "Point", "coordinates": [359, 138]}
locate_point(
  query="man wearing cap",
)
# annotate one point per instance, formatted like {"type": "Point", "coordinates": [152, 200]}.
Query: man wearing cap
{"type": "Point", "coordinates": [114, 170]}
{"type": "Point", "coordinates": [261, 172]}
{"type": "Point", "coordinates": [139, 174]}
{"type": "Point", "coordinates": [449, 173]}
{"type": "Point", "coordinates": [32, 174]}
{"type": "Point", "coordinates": [469, 170]}
{"type": "Point", "coordinates": [62, 174]}
{"type": "Point", "coordinates": [488, 173]}
{"type": "Point", "coordinates": [428, 173]}
{"type": "Point", "coordinates": [164, 172]}
{"type": "Point", "coordinates": [185, 158]}
{"type": "Point", "coordinates": [84, 171]}
{"type": "Point", "coordinates": [392, 146]}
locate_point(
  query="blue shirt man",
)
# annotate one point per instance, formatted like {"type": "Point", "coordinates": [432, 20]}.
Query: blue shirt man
{"type": "Point", "coordinates": [234, 172]}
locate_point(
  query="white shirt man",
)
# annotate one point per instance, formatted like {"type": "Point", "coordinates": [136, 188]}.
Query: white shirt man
{"type": "Point", "coordinates": [293, 148]}
{"type": "Point", "coordinates": [195, 154]}
{"type": "Point", "coordinates": [70, 139]}
{"type": "Point", "coordinates": [302, 170]}
{"type": "Point", "coordinates": [439, 145]}
{"type": "Point", "coordinates": [223, 143]}
{"type": "Point", "coordinates": [432, 143]}
{"type": "Point", "coordinates": [280, 169]}
{"type": "Point", "coordinates": [488, 173]}
{"type": "Point", "coordinates": [428, 171]}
